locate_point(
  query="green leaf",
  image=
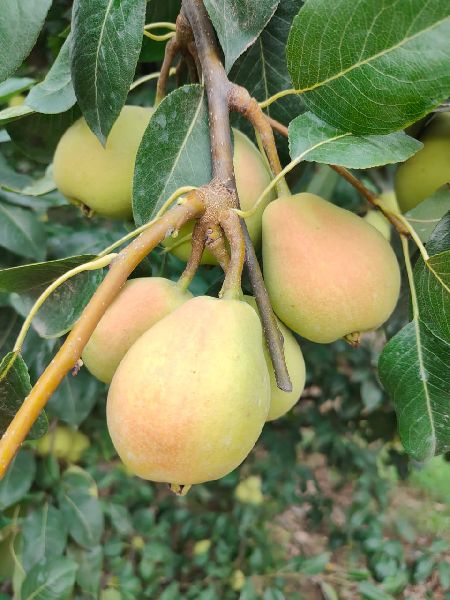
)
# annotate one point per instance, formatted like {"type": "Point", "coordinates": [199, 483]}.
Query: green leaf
{"type": "Point", "coordinates": [263, 71]}
{"type": "Point", "coordinates": [320, 142]}
{"type": "Point", "coordinates": [18, 479]}
{"type": "Point", "coordinates": [21, 232]}
{"type": "Point", "coordinates": [175, 151]}
{"type": "Point", "coordinates": [107, 38]}
{"type": "Point", "coordinates": [238, 24]}
{"type": "Point", "coordinates": [44, 535]}
{"type": "Point", "coordinates": [83, 514]}
{"type": "Point", "coordinates": [14, 387]}
{"type": "Point", "coordinates": [369, 591]}
{"type": "Point", "coordinates": [20, 24]}
{"type": "Point", "coordinates": [51, 579]}
{"type": "Point", "coordinates": [9, 329]}
{"type": "Point", "coordinates": [38, 135]}
{"type": "Point", "coordinates": [425, 216]}
{"type": "Point", "coordinates": [55, 94]}
{"type": "Point", "coordinates": [27, 278]}
{"type": "Point", "coordinates": [74, 398]}
{"type": "Point", "coordinates": [415, 365]}
{"type": "Point", "coordinates": [64, 306]}
{"type": "Point", "coordinates": [414, 368]}
{"type": "Point", "coordinates": [370, 67]}
{"type": "Point", "coordinates": [12, 113]}
{"type": "Point", "coordinates": [89, 572]}
{"type": "Point", "coordinates": [13, 86]}
{"type": "Point", "coordinates": [433, 293]}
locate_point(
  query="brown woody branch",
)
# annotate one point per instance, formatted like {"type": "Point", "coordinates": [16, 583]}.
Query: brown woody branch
{"type": "Point", "coordinates": [221, 96]}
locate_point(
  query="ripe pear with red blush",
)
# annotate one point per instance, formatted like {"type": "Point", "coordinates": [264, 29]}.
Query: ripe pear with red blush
{"type": "Point", "coordinates": [140, 304]}
{"type": "Point", "coordinates": [329, 274]}
{"type": "Point", "coordinates": [189, 399]}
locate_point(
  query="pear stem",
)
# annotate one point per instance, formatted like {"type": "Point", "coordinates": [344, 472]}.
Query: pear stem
{"type": "Point", "coordinates": [69, 353]}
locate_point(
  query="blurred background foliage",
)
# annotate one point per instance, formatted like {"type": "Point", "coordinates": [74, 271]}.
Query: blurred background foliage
{"type": "Point", "coordinates": [327, 506]}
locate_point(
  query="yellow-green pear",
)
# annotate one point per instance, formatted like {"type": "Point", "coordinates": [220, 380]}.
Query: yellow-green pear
{"type": "Point", "coordinates": [252, 177]}
{"type": "Point", "coordinates": [63, 443]}
{"type": "Point", "coordinates": [189, 399]}
{"type": "Point", "coordinates": [281, 402]}
{"type": "Point", "coordinates": [376, 218]}
{"type": "Point", "coordinates": [429, 169]}
{"type": "Point", "coordinates": [328, 273]}
{"type": "Point", "coordinates": [98, 177]}
{"type": "Point", "coordinates": [140, 304]}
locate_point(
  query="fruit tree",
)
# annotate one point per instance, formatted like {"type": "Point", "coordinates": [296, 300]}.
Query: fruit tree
{"type": "Point", "coordinates": [215, 137]}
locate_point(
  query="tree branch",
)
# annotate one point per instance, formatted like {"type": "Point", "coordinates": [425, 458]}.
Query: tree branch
{"type": "Point", "coordinates": [69, 353]}
{"type": "Point", "coordinates": [218, 89]}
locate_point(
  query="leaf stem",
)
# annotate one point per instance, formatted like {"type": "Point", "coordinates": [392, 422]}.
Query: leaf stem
{"type": "Point", "coordinates": [277, 96]}
{"type": "Point", "coordinates": [149, 77]}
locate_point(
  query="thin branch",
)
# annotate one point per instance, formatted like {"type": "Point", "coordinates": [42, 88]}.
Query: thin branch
{"type": "Point", "coordinates": [71, 350]}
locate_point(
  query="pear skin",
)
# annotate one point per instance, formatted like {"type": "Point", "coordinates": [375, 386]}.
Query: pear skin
{"type": "Point", "coordinates": [328, 273]}
{"type": "Point", "coordinates": [140, 304]}
{"type": "Point", "coordinates": [425, 172]}
{"type": "Point", "coordinates": [189, 399]}
{"type": "Point", "coordinates": [281, 402]}
{"type": "Point", "coordinates": [252, 177]}
{"type": "Point", "coordinates": [98, 177]}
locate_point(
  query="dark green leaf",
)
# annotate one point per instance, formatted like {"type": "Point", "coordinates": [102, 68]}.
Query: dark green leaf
{"type": "Point", "coordinates": [14, 387]}
{"type": "Point", "coordinates": [12, 113]}
{"type": "Point", "coordinates": [18, 479]}
{"type": "Point", "coordinates": [238, 24]}
{"type": "Point", "coordinates": [9, 329]}
{"type": "Point", "coordinates": [426, 215]}
{"type": "Point", "coordinates": [74, 398]}
{"type": "Point", "coordinates": [323, 143]}
{"type": "Point", "coordinates": [38, 134]}
{"type": "Point", "coordinates": [89, 572]}
{"type": "Point", "coordinates": [51, 579]}
{"type": "Point", "coordinates": [20, 24]}
{"type": "Point", "coordinates": [44, 535]}
{"type": "Point", "coordinates": [82, 510]}
{"type": "Point", "coordinates": [369, 591]}
{"type": "Point", "coordinates": [263, 71]}
{"type": "Point", "coordinates": [21, 232]}
{"type": "Point", "coordinates": [175, 151]}
{"type": "Point", "coordinates": [27, 278]}
{"type": "Point", "coordinates": [107, 38]}
{"type": "Point", "coordinates": [415, 370]}
{"type": "Point", "coordinates": [371, 68]}
{"type": "Point", "coordinates": [55, 94]}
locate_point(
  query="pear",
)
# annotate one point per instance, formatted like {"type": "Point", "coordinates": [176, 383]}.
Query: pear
{"type": "Point", "coordinates": [281, 402]}
{"type": "Point", "coordinates": [98, 177]}
{"type": "Point", "coordinates": [140, 304]}
{"type": "Point", "coordinates": [376, 217]}
{"type": "Point", "coordinates": [189, 399]}
{"type": "Point", "coordinates": [429, 169]}
{"type": "Point", "coordinates": [63, 443]}
{"type": "Point", "coordinates": [252, 177]}
{"type": "Point", "coordinates": [328, 273]}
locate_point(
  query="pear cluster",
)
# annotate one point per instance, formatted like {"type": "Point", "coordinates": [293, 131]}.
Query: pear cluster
{"type": "Point", "coordinates": [191, 382]}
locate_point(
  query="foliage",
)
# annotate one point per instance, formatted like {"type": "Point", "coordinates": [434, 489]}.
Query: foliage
{"type": "Point", "coordinates": [325, 504]}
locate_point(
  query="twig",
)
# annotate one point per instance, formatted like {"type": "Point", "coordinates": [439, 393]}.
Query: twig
{"type": "Point", "coordinates": [71, 350]}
